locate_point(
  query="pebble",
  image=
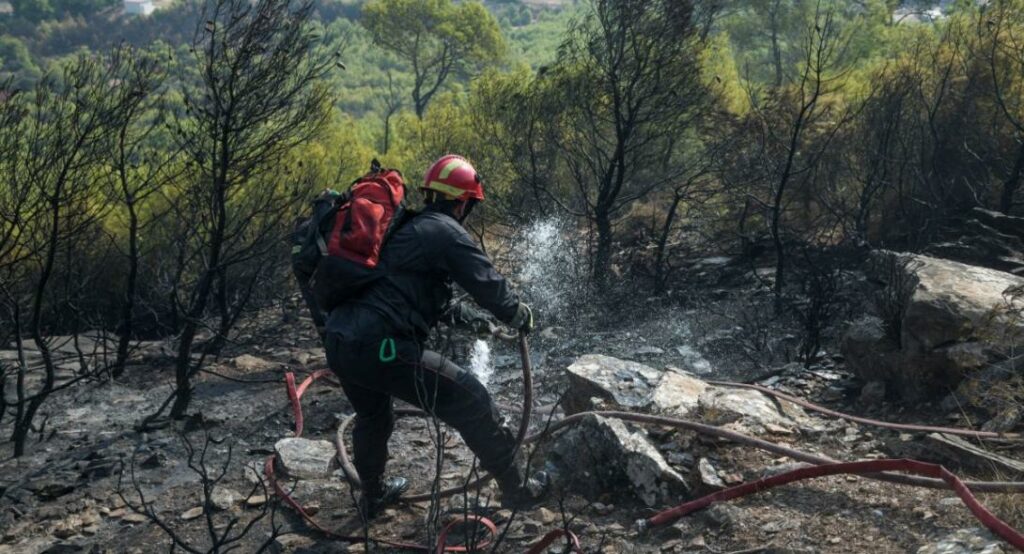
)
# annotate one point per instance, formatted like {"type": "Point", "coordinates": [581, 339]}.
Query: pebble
{"type": "Point", "coordinates": [192, 513]}
{"type": "Point", "coordinates": [256, 500]}
{"type": "Point", "coordinates": [134, 518]}
{"type": "Point", "coordinates": [223, 498]}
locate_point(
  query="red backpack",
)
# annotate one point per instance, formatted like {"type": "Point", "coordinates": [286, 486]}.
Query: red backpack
{"type": "Point", "coordinates": [349, 237]}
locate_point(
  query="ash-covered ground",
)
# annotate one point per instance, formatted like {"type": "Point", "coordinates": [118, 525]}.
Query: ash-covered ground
{"type": "Point", "coordinates": [69, 493]}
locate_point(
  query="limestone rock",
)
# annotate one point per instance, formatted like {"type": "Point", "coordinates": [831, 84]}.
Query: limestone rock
{"type": "Point", "coordinates": [677, 394]}
{"type": "Point", "coordinates": [191, 513]}
{"type": "Point", "coordinates": [306, 459]}
{"type": "Point", "coordinates": [725, 405]}
{"type": "Point", "coordinates": [965, 541]}
{"type": "Point", "coordinates": [601, 455]}
{"type": "Point", "coordinates": [954, 322]}
{"type": "Point", "coordinates": [223, 498]}
{"type": "Point", "coordinates": [617, 383]}
{"type": "Point", "coordinates": [709, 475]}
{"type": "Point", "coordinates": [248, 362]}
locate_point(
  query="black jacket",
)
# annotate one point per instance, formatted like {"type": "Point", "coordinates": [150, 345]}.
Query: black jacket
{"type": "Point", "coordinates": [420, 260]}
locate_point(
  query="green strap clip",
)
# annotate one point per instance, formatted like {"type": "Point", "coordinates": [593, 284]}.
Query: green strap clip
{"type": "Point", "coordinates": [388, 352]}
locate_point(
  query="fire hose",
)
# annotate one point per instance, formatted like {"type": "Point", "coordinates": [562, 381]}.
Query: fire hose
{"type": "Point", "coordinates": [928, 475]}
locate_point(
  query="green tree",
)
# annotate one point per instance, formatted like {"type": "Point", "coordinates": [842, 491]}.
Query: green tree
{"type": "Point", "coordinates": [16, 62]}
{"type": "Point", "coordinates": [437, 38]}
{"type": "Point", "coordinates": [34, 10]}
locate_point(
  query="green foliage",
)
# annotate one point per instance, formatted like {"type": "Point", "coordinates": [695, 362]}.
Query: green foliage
{"type": "Point", "coordinates": [436, 39]}
{"type": "Point", "coordinates": [16, 63]}
{"type": "Point", "coordinates": [40, 10]}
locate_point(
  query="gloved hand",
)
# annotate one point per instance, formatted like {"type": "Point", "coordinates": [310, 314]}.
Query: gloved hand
{"type": "Point", "coordinates": [523, 320]}
{"type": "Point", "coordinates": [465, 314]}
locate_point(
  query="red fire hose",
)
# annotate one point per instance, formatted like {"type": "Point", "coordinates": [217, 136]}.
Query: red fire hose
{"type": "Point", "coordinates": [987, 518]}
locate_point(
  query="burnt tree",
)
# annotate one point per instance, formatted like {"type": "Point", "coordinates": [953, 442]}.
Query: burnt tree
{"type": "Point", "coordinates": [627, 85]}
{"type": "Point", "coordinates": [258, 94]}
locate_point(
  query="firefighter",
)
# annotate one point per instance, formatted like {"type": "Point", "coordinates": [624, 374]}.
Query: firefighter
{"type": "Point", "coordinates": [375, 341]}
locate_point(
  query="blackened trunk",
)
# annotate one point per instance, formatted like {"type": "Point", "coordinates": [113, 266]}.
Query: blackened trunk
{"type": "Point", "coordinates": [128, 309]}
{"type": "Point", "coordinates": [183, 362]}
{"type": "Point", "coordinates": [659, 263]}
{"type": "Point", "coordinates": [603, 254]}
{"type": "Point", "coordinates": [1012, 182]}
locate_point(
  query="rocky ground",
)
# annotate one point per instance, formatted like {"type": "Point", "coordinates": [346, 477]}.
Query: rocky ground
{"type": "Point", "coordinates": [69, 493]}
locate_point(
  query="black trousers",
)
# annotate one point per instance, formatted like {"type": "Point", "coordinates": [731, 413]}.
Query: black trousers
{"type": "Point", "coordinates": [375, 367]}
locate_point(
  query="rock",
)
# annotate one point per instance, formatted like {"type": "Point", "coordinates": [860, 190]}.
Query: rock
{"type": "Point", "coordinates": [693, 361]}
{"type": "Point", "coordinates": [721, 516]}
{"type": "Point", "coordinates": [50, 488]}
{"type": "Point", "coordinates": [191, 513]}
{"type": "Point", "coordinates": [291, 542]}
{"type": "Point", "coordinates": [16, 531]}
{"type": "Point", "coordinates": [53, 511]}
{"type": "Point", "coordinates": [89, 517]}
{"type": "Point", "coordinates": [306, 459]}
{"type": "Point", "coordinates": [223, 498]}
{"type": "Point", "coordinates": [677, 394]}
{"type": "Point", "coordinates": [965, 541]}
{"type": "Point", "coordinates": [256, 500]}
{"type": "Point", "coordinates": [134, 518]}
{"type": "Point", "coordinates": [709, 475]}
{"type": "Point", "coordinates": [648, 351]}
{"type": "Point", "coordinates": [619, 383]}
{"type": "Point", "coordinates": [954, 322]}
{"type": "Point", "coordinates": [248, 362]}
{"type": "Point", "coordinates": [547, 516]}
{"type": "Point", "coordinates": [65, 529]}
{"type": "Point", "coordinates": [601, 455]}
{"type": "Point", "coordinates": [783, 468]}
{"type": "Point", "coordinates": [725, 405]}
{"type": "Point", "coordinates": [869, 351]}
{"type": "Point", "coordinates": [153, 461]}
{"type": "Point", "coordinates": [872, 394]}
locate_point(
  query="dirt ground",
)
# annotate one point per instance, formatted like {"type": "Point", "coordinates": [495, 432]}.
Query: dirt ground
{"type": "Point", "coordinates": [64, 495]}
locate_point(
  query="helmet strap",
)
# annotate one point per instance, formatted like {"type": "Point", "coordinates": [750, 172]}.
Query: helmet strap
{"type": "Point", "coordinates": [469, 205]}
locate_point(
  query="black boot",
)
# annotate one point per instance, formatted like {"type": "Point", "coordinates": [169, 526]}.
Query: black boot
{"type": "Point", "coordinates": [379, 493]}
{"type": "Point", "coordinates": [518, 493]}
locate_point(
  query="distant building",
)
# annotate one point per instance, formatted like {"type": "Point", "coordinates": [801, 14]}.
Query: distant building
{"type": "Point", "coordinates": [139, 7]}
{"type": "Point", "coordinates": [6, 8]}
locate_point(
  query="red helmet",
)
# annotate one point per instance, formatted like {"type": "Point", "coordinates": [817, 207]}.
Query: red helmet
{"type": "Point", "coordinates": [454, 177]}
